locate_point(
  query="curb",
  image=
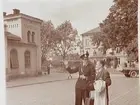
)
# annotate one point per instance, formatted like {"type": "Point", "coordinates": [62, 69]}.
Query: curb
{"type": "Point", "coordinates": [28, 84]}
{"type": "Point", "coordinates": [43, 82]}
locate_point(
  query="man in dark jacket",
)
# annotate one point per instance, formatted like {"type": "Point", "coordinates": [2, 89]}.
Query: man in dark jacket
{"type": "Point", "coordinates": [85, 80]}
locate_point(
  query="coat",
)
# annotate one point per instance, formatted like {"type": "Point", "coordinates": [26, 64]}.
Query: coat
{"type": "Point", "coordinates": [88, 71]}
{"type": "Point", "coordinates": [104, 75]}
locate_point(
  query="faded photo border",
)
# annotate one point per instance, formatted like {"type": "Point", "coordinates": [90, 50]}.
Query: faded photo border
{"type": "Point", "coordinates": [2, 49]}
{"type": "Point", "coordinates": [139, 38]}
{"type": "Point", "coordinates": [2, 57]}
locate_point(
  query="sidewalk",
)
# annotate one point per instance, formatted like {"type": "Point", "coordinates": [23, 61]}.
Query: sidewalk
{"type": "Point", "coordinates": [39, 80]}
{"type": "Point", "coordinates": [53, 77]}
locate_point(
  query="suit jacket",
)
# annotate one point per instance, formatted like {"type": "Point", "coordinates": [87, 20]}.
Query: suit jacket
{"type": "Point", "coordinates": [104, 75]}
{"type": "Point", "coordinates": [88, 71]}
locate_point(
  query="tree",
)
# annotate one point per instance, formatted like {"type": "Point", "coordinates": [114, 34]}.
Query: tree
{"type": "Point", "coordinates": [99, 39]}
{"type": "Point", "coordinates": [66, 37]}
{"type": "Point", "coordinates": [48, 36]}
{"type": "Point", "coordinates": [132, 50]}
{"type": "Point", "coordinates": [119, 29]}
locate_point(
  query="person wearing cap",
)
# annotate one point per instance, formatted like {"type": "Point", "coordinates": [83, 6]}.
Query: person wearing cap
{"type": "Point", "coordinates": [85, 80]}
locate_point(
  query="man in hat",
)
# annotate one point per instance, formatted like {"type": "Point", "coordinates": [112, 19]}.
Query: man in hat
{"type": "Point", "coordinates": [85, 80]}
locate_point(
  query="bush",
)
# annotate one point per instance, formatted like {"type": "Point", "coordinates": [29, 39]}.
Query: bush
{"type": "Point", "coordinates": [57, 63]}
{"type": "Point", "coordinates": [74, 63]}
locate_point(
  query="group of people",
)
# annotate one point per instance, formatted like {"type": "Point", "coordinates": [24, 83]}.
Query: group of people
{"type": "Point", "coordinates": [93, 81]}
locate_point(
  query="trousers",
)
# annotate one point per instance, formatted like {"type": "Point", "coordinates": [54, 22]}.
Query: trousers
{"type": "Point", "coordinates": [81, 95]}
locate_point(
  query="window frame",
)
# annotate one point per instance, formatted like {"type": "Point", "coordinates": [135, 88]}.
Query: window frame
{"type": "Point", "coordinates": [33, 37]}
{"type": "Point", "coordinates": [28, 36]}
{"type": "Point", "coordinates": [14, 62]}
{"type": "Point", "coordinates": [27, 59]}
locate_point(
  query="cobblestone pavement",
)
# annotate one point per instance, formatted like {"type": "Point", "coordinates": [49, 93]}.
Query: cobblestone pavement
{"type": "Point", "coordinates": [123, 91]}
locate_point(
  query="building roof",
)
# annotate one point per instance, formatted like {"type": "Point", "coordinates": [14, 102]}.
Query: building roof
{"type": "Point", "coordinates": [11, 36]}
{"type": "Point", "coordinates": [21, 14]}
{"type": "Point", "coordinates": [7, 16]}
{"type": "Point", "coordinates": [92, 31]}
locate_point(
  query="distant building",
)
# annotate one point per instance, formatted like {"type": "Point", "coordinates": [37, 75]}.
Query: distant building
{"type": "Point", "coordinates": [87, 42]}
{"type": "Point", "coordinates": [97, 53]}
{"type": "Point", "coordinates": [23, 46]}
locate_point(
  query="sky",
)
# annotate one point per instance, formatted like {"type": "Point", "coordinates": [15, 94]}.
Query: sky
{"type": "Point", "coordinates": [83, 14]}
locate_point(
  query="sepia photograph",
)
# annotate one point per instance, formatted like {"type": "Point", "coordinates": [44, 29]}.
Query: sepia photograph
{"type": "Point", "coordinates": [71, 52]}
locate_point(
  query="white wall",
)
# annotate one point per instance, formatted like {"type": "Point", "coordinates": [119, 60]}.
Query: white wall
{"type": "Point", "coordinates": [90, 48]}
{"type": "Point", "coordinates": [14, 26]}
{"type": "Point", "coordinates": [32, 26]}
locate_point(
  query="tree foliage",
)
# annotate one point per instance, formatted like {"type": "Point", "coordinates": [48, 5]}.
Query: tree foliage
{"type": "Point", "coordinates": [58, 40]}
{"type": "Point", "coordinates": [119, 29]}
{"type": "Point", "coordinates": [66, 37]}
{"type": "Point", "coordinates": [48, 36]}
{"type": "Point", "coordinates": [99, 39]}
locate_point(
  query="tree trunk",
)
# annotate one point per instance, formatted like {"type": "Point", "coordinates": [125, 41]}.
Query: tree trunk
{"type": "Point", "coordinates": [43, 59]}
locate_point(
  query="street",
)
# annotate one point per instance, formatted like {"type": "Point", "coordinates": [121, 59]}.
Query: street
{"type": "Point", "coordinates": [123, 91]}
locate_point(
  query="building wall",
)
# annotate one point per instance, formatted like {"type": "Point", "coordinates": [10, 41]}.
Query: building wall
{"type": "Point", "coordinates": [14, 26]}
{"type": "Point", "coordinates": [88, 46]}
{"type": "Point", "coordinates": [19, 25]}
{"type": "Point", "coordinates": [6, 57]}
{"type": "Point", "coordinates": [32, 26]}
{"type": "Point", "coordinates": [20, 50]}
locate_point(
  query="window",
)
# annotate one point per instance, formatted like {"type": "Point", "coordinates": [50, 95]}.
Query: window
{"type": "Point", "coordinates": [33, 37]}
{"type": "Point", "coordinates": [14, 59]}
{"type": "Point", "coordinates": [27, 59]}
{"type": "Point", "coordinates": [118, 60]}
{"type": "Point", "coordinates": [87, 42]}
{"type": "Point", "coordinates": [28, 36]}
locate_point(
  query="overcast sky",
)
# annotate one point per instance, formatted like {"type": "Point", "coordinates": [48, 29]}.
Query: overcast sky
{"type": "Point", "coordinates": [83, 14]}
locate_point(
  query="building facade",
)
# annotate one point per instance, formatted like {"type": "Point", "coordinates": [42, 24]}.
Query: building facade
{"type": "Point", "coordinates": [97, 52]}
{"type": "Point", "coordinates": [87, 42]}
{"type": "Point", "coordinates": [23, 44]}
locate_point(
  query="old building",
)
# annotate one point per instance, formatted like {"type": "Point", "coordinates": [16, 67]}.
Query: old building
{"type": "Point", "coordinates": [23, 46]}
{"type": "Point", "coordinates": [97, 53]}
{"type": "Point", "coordinates": [87, 42]}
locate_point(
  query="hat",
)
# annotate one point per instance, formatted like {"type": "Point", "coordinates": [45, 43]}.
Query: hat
{"type": "Point", "coordinates": [84, 56]}
{"type": "Point", "coordinates": [102, 62]}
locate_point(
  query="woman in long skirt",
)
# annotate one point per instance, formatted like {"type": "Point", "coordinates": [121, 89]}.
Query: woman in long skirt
{"type": "Point", "coordinates": [101, 84]}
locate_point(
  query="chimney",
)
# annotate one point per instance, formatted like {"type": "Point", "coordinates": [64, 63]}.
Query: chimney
{"type": "Point", "coordinates": [16, 11]}
{"type": "Point", "coordinates": [4, 13]}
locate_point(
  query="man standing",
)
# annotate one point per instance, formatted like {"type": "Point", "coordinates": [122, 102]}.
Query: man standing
{"type": "Point", "coordinates": [85, 80]}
